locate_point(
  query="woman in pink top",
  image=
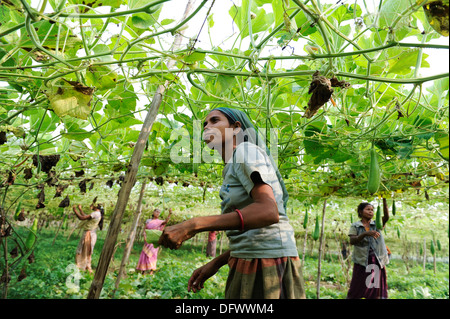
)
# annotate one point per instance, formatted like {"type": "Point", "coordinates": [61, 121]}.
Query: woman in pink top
{"type": "Point", "coordinates": [149, 255]}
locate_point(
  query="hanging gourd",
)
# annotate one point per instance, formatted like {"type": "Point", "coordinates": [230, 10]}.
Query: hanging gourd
{"type": "Point", "coordinates": [374, 173]}
{"type": "Point", "coordinates": [378, 220]}
{"type": "Point", "coordinates": [305, 220]}
{"type": "Point", "coordinates": [316, 229]}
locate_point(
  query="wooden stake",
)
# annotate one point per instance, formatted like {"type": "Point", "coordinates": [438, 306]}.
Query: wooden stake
{"type": "Point", "coordinates": [304, 246]}
{"type": "Point", "coordinates": [130, 180]}
{"type": "Point", "coordinates": [320, 249]}
{"type": "Point", "coordinates": [424, 253]}
{"type": "Point", "coordinates": [130, 239]}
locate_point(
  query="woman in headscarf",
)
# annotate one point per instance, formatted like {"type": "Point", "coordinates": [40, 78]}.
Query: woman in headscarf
{"type": "Point", "coordinates": [263, 259]}
{"type": "Point", "coordinates": [89, 224]}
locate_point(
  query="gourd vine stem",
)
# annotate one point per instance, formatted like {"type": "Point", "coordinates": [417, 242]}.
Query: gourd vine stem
{"type": "Point", "coordinates": [35, 40]}
{"type": "Point", "coordinates": [114, 14]}
{"type": "Point", "coordinates": [29, 10]}
{"type": "Point", "coordinates": [249, 22]}
{"type": "Point", "coordinates": [171, 30]}
{"type": "Point", "coordinates": [44, 4]}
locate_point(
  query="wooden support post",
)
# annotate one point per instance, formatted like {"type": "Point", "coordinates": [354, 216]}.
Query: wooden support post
{"type": "Point", "coordinates": [130, 180]}
{"type": "Point", "coordinates": [320, 249]}
{"type": "Point", "coordinates": [130, 239]}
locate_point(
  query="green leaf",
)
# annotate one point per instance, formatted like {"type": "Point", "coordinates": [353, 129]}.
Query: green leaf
{"type": "Point", "coordinates": [391, 10]}
{"type": "Point", "coordinates": [194, 57]}
{"type": "Point", "coordinates": [405, 61]}
{"type": "Point", "coordinates": [278, 11]}
{"type": "Point", "coordinates": [73, 130]}
{"type": "Point", "coordinates": [443, 140]}
{"type": "Point", "coordinates": [70, 98]}
{"type": "Point", "coordinates": [305, 24]}
{"type": "Point", "coordinates": [210, 20]}
{"type": "Point", "coordinates": [312, 147]}
{"type": "Point", "coordinates": [260, 23]}
{"type": "Point", "coordinates": [224, 82]}
{"type": "Point", "coordinates": [142, 20]}
{"type": "Point", "coordinates": [97, 3]}
{"type": "Point", "coordinates": [346, 12]}
{"type": "Point", "coordinates": [52, 37]}
{"type": "Point", "coordinates": [101, 77]}
{"type": "Point", "coordinates": [123, 100]}
{"type": "Point", "coordinates": [167, 21]}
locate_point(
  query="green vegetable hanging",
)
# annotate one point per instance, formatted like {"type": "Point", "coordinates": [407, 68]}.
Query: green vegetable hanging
{"type": "Point", "coordinates": [305, 220]}
{"type": "Point", "coordinates": [394, 209]}
{"type": "Point", "coordinates": [316, 229]}
{"type": "Point", "coordinates": [432, 249]}
{"type": "Point", "coordinates": [17, 213]}
{"type": "Point", "coordinates": [64, 224]}
{"type": "Point", "coordinates": [374, 173]}
{"type": "Point", "coordinates": [378, 220]}
{"type": "Point", "coordinates": [32, 235]}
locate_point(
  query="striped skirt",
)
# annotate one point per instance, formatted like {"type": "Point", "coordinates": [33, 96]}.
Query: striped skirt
{"type": "Point", "coordinates": [265, 278]}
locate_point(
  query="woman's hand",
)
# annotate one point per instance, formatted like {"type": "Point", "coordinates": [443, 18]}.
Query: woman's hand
{"type": "Point", "coordinates": [173, 236]}
{"type": "Point", "coordinates": [200, 275]}
{"type": "Point", "coordinates": [354, 239]}
{"type": "Point", "coordinates": [372, 233]}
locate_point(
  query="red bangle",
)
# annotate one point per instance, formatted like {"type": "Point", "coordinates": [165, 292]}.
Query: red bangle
{"type": "Point", "coordinates": [242, 219]}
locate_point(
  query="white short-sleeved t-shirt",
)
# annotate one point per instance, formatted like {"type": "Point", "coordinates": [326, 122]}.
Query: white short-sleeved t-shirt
{"type": "Point", "coordinates": [276, 240]}
{"type": "Point", "coordinates": [91, 224]}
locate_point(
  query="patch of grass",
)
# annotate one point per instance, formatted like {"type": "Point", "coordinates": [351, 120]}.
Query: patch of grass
{"type": "Point", "coordinates": [53, 275]}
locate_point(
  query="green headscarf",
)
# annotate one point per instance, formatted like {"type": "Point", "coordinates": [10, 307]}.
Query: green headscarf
{"type": "Point", "coordinates": [252, 136]}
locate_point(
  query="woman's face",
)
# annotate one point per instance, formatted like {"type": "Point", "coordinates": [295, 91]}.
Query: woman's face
{"type": "Point", "coordinates": [367, 212]}
{"type": "Point", "coordinates": [156, 213]}
{"type": "Point", "coordinates": [217, 130]}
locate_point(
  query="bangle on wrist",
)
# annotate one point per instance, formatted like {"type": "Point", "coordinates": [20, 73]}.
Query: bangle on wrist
{"type": "Point", "coordinates": [241, 218]}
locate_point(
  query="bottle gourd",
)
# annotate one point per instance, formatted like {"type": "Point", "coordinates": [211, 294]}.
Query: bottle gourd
{"type": "Point", "coordinates": [374, 173]}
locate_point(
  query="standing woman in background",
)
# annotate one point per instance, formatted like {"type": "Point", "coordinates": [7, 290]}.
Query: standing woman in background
{"type": "Point", "coordinates": [370, 255]}
{"type": "Point", "coordinates": [149, 255]}
{"type": "Point", "coordinates": [263, 259]}
{"type": "Point", "coordinates": [89, 224]}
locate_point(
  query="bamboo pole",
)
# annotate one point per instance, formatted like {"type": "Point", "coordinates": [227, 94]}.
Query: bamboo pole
{"type": "Point", "coordinates": [130, 239]}
{"type": "Point", "coordinates": [130, 179]}
{"type": "Point", "coordinates": [5, 274]}
{"type": "Point", "coordinates": [424, 253]}
{"type": "Point", "coordinates": [304, 246]}
{"type": "Point", "coordinates": [320, 249]}
{"type": "Point", "coordinates": [57, 231]}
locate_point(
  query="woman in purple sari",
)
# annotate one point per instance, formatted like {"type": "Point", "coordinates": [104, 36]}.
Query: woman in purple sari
{"type": "Point", "coordinates": [149, 255]}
